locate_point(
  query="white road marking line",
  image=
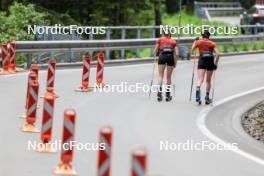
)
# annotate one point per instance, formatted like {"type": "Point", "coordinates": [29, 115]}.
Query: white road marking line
{"type": "Point", "coordinates": [202, 126]}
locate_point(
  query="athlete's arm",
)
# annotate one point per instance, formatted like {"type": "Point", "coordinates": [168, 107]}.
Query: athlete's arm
{"type": "Point", "coordinates": [156, 49]}
{"type": "Point", "coordinates": [217, 55]}
{"type": "Point", "coordinates": [194, 46]}
{"type": "Point", "coordinates": [176, 54]}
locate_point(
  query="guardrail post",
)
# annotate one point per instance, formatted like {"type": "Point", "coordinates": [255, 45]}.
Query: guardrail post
{"type": "Point", "coordinates": [254, 42]}
{"type": "Point", "coordinates": [263, 45]}
{"type": "Point", "coordinates": [90, 38]}
{"type": "Point", "coordinates": [108, 37]}
{"type": "Point", "coordinates": [153, 36]}
{"type": "Point", "coordinates": [71, 54]}
{"type": "Point", "coordinates": [225, 46]}
{"type": "Point", "coordinates": [245, 47]}
{"type": "Point", "coordinates": [29, 59]}
{"type": "Point", "coordinates": [52, 55]}
{"type": "Point", "coordinates": [138, 37]}
{"type": "Point", "coordinates": [255, 30]}
{"type": "Point", "coordinates": [234, 47]}
{"type": "Point", "coordinates": [123, 36]}
{"type": "Point", "coordinates": [254, 45]}
{"type": "Point", "coordinates": [52, 52]}
{"type": "Point", "coordinates": [38, 57]}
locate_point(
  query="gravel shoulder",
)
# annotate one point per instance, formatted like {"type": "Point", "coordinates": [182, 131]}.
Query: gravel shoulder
{"type": "Point", "coordinates": [253, 122]}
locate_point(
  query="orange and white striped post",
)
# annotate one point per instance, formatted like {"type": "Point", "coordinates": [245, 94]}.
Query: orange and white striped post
{"type": "Point", "coordinates": [51, 73]}
{"type": "Point", "coordinates": [5, 59]}
{"type": "Point", "coordinates": [104, 156]}
{"type": "Point", "coordinates": [12, 54]}
{"type": "Point", "coordinates": [65, 167]}
{"type": "Point", "coordinates": [100, 70]}
{"type": "Point", "coordinates": [47, 121]}
{"type": "Point", "coordinates": [85, 75]}
{"type": "Point", "coordinates": [31, 108]}
{"type": "Point", "coordinates": [139, 162]}
{"type": "Point", "coordinates": [35, 69]}
{"type": "Point", "coordinates": [31, 77]}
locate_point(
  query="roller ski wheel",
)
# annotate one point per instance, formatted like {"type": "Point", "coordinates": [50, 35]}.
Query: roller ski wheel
{"type": "Point", "coordinates": [198, 97]}
{"type": "Point", "coordinates": [168, 98]}
{"type": "Point", "coordinates": [199, 102]}
{"type": "Point", "coordinates": [207, 100]}
{"type": "Point", "coordinates": [159, 97]}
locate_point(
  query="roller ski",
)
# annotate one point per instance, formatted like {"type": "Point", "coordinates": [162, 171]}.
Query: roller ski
{"type": "Point", "coordinates": [168, 93]}
{"type": "Point", "coordinates": [159, 97]}
{"type": "Point", "coordinates": [168, 97]}
{"type": "Point", "coordinates": [159, 94]}
{"type": "Point", "coordinates": [198, 97]}
{"type": "Point", "coordinates": [207, 99]}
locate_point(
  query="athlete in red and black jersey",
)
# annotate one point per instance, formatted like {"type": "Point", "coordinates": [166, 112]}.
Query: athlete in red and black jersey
{"type": "Point", "coordinates": [206, 64]}
{"type": "Point", "coordinates": [167, 51]}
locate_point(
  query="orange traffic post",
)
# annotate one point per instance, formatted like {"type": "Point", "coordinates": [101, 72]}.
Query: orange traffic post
{"type": "Point", "coordinates": [35, 69]}
{"type": "Point", "coordinates": [104, 156]}
{"type": "Point", "coordinates": [31, 108]}
{"type": "Point", "coordinates": [5, 59]}
{"type": "Point", "coordinates": [12, 55]}
{"type": "Point", "coordinates": [65, 167]}
{"type": "Point", "coordinates": [100, 70]}
{"type": "Point", "coordinates": [51, 75]}
{"type": "Point", "coordinates": [139, 162]}
{"type": "Point", "coordinates": [47, 121]}
{"type": "Point", "coordinates": [31, 77]}
{"type": "Point", "coordinates": [85, 75]}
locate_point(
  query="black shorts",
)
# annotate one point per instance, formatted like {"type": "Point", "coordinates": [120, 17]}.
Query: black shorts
{"type": "Point", "coordinates": [166, 59]}
{"type": "Point", "coordinates": [206, 63]}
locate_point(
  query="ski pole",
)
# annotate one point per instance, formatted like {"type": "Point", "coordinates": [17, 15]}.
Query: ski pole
{"type": "Point", "coordinates": [152, 77]}
{"type": "Point", "coordinates": [213, 86]}
{"type": "Point", "coordinates": [194, 64]}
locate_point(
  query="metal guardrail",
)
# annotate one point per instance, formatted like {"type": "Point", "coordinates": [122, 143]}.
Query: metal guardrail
{"type": "Point", "coordinates": [204, 9]}
{"type": "Point", "coordinates": [217, 4]}
{"type": "Point", "coordinates": [81, 46]}
{"type": "Point", "coordinates": [95, 45]}
{"type": "Point", "coordinates": [127, 32]}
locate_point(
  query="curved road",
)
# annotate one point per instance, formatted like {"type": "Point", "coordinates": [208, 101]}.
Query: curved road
{"type": "Point", "coordinates": [135, 120]}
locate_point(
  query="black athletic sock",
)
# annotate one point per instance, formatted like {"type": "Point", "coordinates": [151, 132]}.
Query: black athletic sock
{"type": "Point", "coordinates": [160, 89]}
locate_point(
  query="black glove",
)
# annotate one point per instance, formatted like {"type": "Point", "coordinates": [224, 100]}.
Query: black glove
{"type": "Point", "coordinates": [215, 67]}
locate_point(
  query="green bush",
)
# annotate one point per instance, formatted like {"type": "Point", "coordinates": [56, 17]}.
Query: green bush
{"type": "Point", "coordinates": [14, 24]}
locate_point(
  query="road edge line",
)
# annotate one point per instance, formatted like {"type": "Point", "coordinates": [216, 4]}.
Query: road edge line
{"type": "Point", "coordinates": [200, 121]}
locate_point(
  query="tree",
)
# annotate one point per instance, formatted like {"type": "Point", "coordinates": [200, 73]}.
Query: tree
{"type": "Point", "coordinates": [14, 24]}
{"type": "Point", "coordinates": [172, 6]}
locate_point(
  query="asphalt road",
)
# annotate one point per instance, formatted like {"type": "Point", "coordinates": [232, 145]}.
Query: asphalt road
{"type": "Point", "coordinates": [134, 118]}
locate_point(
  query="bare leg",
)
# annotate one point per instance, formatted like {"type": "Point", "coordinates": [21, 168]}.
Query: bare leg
{"type": "Point", "coordinates": [208, 80]}
{"type": "Point", "coordinates": [169, 87]}
{"type": "Point", "coordinates": [201, 74]}
{"type": "Point", "coordinates": [160, 82]}
{"type": "Point", "coordinates": [169, 74]}
{"type": "Point", "coordinates": [161, 73]}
